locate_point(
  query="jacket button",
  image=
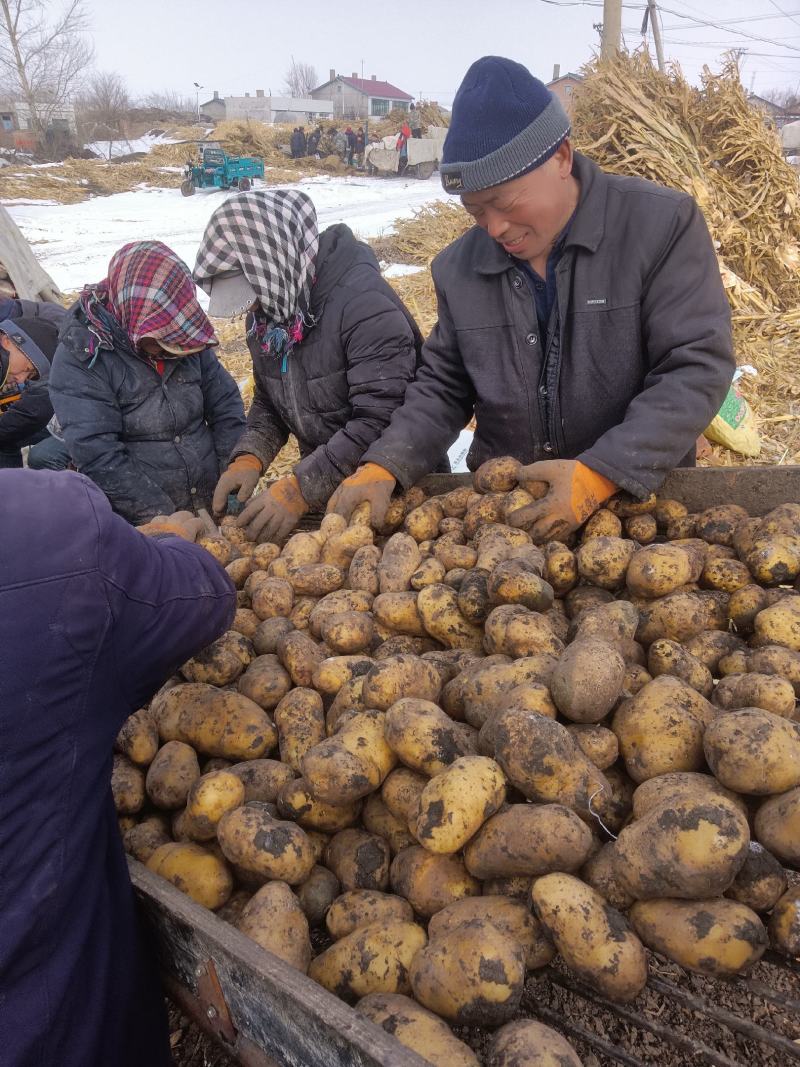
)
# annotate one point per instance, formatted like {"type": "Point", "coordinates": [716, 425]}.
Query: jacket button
{"type": "Point", "coordinates": [547, 446]}
{"type": "Point", "coordinates": [517, 282]}
{"type": "Point", "coordinates": [531, 339]}
{"type": "Point", "coordinates": [542, 390]}
{"type": "Point", "coordinates": [177, 439]}
{"type": "Point", "coordinates": [193, 491]}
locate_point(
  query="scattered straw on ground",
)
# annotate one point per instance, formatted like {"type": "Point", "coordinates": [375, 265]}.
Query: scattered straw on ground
{"type": "Point", "coordinates": [77, 179]}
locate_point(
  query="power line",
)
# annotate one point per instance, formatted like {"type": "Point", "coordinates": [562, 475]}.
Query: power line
{"type": "Point", "coordinates": [736, 22]}
{"type": "Point", "coordinates": [722, 26]}
{"type": "Point", "coordinates": [784, 13]}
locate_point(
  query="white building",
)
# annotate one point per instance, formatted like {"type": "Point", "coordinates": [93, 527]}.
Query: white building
{"type": "Point", "coordinates": [263, 108]}
{"type": "Point", "coordinates": [361, 98]}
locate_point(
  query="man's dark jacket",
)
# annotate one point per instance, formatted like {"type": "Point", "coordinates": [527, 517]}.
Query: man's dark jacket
{"type": "Point", "coordinates": [94, 617]}
{"type": "Point", "coordinates": [31, 413]}
{"type": "Point", "coordinates": [154, 443]}
{"type": "Point", "coordinates": [638, 363]}
{"type": "Point", "coordinates": [338, 388]}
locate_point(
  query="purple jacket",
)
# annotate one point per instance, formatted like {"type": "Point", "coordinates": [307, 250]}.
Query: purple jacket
{"type": "Point", "coordinates": [94, 617]}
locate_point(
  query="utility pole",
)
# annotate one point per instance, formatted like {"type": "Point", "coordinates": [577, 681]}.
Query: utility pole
{"type": "Point", "coordinates": [653, 11]}
{"type": "Point", "coordinates": [612, 28]}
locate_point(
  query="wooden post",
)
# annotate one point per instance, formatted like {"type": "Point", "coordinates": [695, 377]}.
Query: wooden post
{"type": "Point", "coordinates": [612, 28]}
{"type": "Point", "coordinates": [653, 10]}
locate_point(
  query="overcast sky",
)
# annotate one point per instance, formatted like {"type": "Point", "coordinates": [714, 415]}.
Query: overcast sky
{"type": "Point", "coordinates": [422, 46]}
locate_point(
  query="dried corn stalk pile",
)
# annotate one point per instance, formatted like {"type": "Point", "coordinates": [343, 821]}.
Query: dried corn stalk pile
{"type": "Point", "coordinates": [710, 142]}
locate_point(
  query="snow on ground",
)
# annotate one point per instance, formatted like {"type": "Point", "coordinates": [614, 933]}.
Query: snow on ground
{"type": "Point", "coordinates": [112, 149]}
{"type": "Point", "coordinates": [74, 242]}
{"type": "Point", "coordinates": [399, 270]}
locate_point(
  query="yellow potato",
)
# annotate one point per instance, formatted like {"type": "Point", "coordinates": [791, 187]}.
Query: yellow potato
{"type": "Point", "coordinates": [601, 873]}
{"type": "Point", "coordinates": [363, 571]}
{"type": "Point", "coordinates": [268, 632]}
{"type": "Point", "coordinates": [471, 975]}
{"type": "Point", "coordinates": [438, 609]}
{"type": "Point", "coordinates": [399, 613]}
{"type": "Point", "coordinates": [714, 937]}
{"type": "Point", "coordinates": [332, 673]}
{"type": "Point", "coordinates": [372, 959]}
{"type": "Point", "coordinates": [422, 736]}
{"type": "Point", "coordinates": [377, 819]}
{"type": "Point", "coordinates": [527, 1043]}
{"type": "Point", "coordinates": [138, 738]}
{"type": "Point", "coordinates": [598, 744]}
{"type": "Point", "coordinates": [657, 570]}
{"type": "Point", "coordinates": [401, 792]}
{"type": "Point", "coordinates": [777, 826]}
{"type": "Point", "coordinates": [691, 849]}
{"type": "Point", "coordinates": [296, 803]}
{"type": "Point", "coordinates": [780, 624]}
{"type": "Point", "coordinates": [362, 907]}
{"type": "Point", "coordinates": [252, 839]}
{"type": "Point", "coordinates": [127, 786]}
{"type": "Point", "coordinates": [681, 785]}
{"type": "Point", "coordinates": [341, 547]}
{"type": "Point", "coordinates": [171, 775]}
{"type": "Point", "coordinates": [784, 923]}
{"type": "Point", "coordinates": [401, 676]}
{"type": "Point", "coordinates": [753, 751]}
{"type": "Point", "coordinates": [669, 657]}
{"type": "Point", "coordinates": [359, 860]}
{"type": "Point", "coordinates": [430, 882]}
{"type": "Point", "coordinates": [603, 561]}
{"type": "Point", "coordinates": [271, 598]}
{"type": "Point", "coordinates": [195, 870]}
{"type": "Point", "coordinates": [230, 725]}
{"type": "Point", "coordinates": [587, 680]}
{"type": "Point", "coordinates": [300, 656]}
{"type": "Point", "coordinates": [512, 917]}
{"type": "Point", "coordinates": [144, 838]}
{"type": "Point", "coordinates": [221, 662]}
{"type": "Point", "coordinates": [417, 1029]}
{"type": "Point", "coordinates": [528, 839]}
{"type": "Point", "coordinates": [348, 632]}
{"type": "Point", "coordinates": [274, 919]}
{"type": "Point", "coordinates": [593, 938]}
{"type": "Point", "coordinates": [209, 798]}
{"type": "Point", "coordinates": [754, 690]}
{"type": "Point", "coordinates": [761, 880]}
{"type": "Point", "coordinates": [263, 779]}
{"type": "Point", "coordinates": [265, 682]}
{"type": "Point", "coordinates": [455, 803]}
{"type": "Point", "coordinates": [300, 722]}
{"type": "Point", "coordinates": [353, 762]}
{"type": "Point", "coordinates": [317, 893]}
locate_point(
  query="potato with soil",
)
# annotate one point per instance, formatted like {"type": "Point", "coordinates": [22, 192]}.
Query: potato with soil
{"type": "Point", "coordinates": [221, 662]}
{"type": "Point", "coordinates": [171, 775]}
{"type": "Point", "coordinates": [363, 571]}
{"type": "Point", "coordinates": [336, 671]}
{"type": "Point", "coordinates": [598, 744]}
{"type": "Point", "coordinates": [229, 725]}
{"type": "Point", "coordinates": [138, 738]}
{"type": "Point", "coordinates": [266, 682]}
{"type": "Point", "coordinates": [541, 759]}
{"type": "Point", "coordinates": [127, 785]}
{"type": "Point", "coordinates": [274, 919]}
{"type": "Point", "coordinates": [593, 938]}
{"type": "Point", "coordinates": [773, 559]}
{"type": "Point", "coordinates": [398, 614]}
{"type": "Point", "coordinates": [601, 873]}
{"type": "Point", "coordinates": [441, 618]}
{"type": "Point", "coordinates": [780, 624]}
{"type": "Point", "coordinates": [353, 762]}
{"type": "Point", "coordinates": [340, 548]}
{"type": "Point", "coordinates": [195, 870]}
{"type": "Point", "coordinates": [348, 632]}
{"type": "Point", "coordinates": [528, 840]}
{"type": "Point", "coordinates": [144, 838]}
{"type": "Point", "coordinates": [417, 1028]}
{"type": "Point", "coordinates": [666, 789]}
{"type": "Point", "coordinates": [422, 522]}
{"type": "Point", "coordinates": [661, 728]}
{"type": "Point", "coordinates": [401, 792]}
{"type": "Point", "coordinates": [761, 880]}
{"type": "Point", "coordinates": [209, 798]}
{"type": "Point", "coordinates": [167, 706]}
{"type": "Point", "coordinates": [252, 839]}
{"type": "Point", "coordinates": [363, 907]}
{"type": "Point", "coordinates": [300, 655]}
{"type": "Point", "coordinates": [691, 849]}
{"type": "Point", "coordinates": [603, 523]}
{"type": "Point", "coordinates": [422, 737]}
{"type": "Point", "coordinates": [455, 803]}
{"type": "Point", "coordinates": [784, 923]}
{"type": "Point", "coordinates": [497, 475]}
{"type": "Point", "coordinates": [657, 570]}
{"type": "Point", "coordinates": [317, 893]}
{"type": "Point", "coordinates": [679, 616]}
{"type": "Point", "coordinates": [767, 691]}
{"type": "Point", "coordinates": [377, 819]}
{"type": "Point", "coordinates": [512, 917]}
{"type": "Point", "coordinates": [720, 938]}
{"type": "Point", "coordinates": [263, 779]}
{"type": "Point", "coordinates": [295, 802]}
{"type": "Point", "coordinates": [519, 581]}
{"type": "Point", "coordinates": [471, 975]}
{"type": "Point", "coordinates": [300, 721]}
{"type": "Point", "coordinates": [401, 676]}
{"type": "Point", "coordinates": [268, 633]}
{"type": "Point", "coordinates": [777, 826]}
{"type": "Point", "coordinates": [372, 959]}
{"type": "Point", "coordinates": [587, 680]}
{"type": "Point", "coordinates": [527, 1043]}
{"type": "Point", "coordinates": [668, 657]}
{"type": "Point", "coordinates": [775, 659]}
{"type": "Point", "coordinates": [480, 690]}
{"type": "Point", "coordinates": [603, 561]}
{"type": "Point", "coordinates": [753, 751]}
{"type": "Point", "coordinates": [359, 860]}
{"type": "Point", "coordinates": [514, 631]}
{"type": "Point", "coordinates": [430, 882]}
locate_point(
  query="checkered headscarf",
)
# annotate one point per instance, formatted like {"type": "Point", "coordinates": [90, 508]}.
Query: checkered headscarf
{"type": "Point", "coordinates": [149, 292]}
{"type": "Point", "coordinates": [271, 236]}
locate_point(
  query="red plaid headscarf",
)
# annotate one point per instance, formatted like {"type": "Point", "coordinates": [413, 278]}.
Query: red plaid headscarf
{"type": "Point", "coordinates": [149, 292]}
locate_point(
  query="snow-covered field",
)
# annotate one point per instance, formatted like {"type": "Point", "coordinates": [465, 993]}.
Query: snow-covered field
{"type": "Point", "coordinates": [74, 242]}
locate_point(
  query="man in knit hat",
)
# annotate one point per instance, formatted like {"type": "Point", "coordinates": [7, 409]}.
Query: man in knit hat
{"type": "Point", "coordinates": [582, 320]}
{"type": "Point", "coordinates": [27, 347]}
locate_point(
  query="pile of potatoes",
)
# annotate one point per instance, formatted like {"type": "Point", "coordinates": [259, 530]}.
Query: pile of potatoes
{"type": "Point", "coordinates": [455, 754]}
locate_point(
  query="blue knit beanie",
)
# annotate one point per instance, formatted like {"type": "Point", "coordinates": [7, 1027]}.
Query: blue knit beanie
{"type": "Point", "coordinates": [505, 123]}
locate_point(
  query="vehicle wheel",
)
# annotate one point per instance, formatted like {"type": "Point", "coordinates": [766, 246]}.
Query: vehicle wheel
{"type": "Point", "coordinates": [423, 171]}
{"type": "Point", "coordinates": [244, 185]}
{"type": "Point", "coordinates": [187, 188]}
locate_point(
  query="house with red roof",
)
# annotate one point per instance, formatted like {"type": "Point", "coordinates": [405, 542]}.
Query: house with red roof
{"type": "Point", "coordinates": [360, 98]}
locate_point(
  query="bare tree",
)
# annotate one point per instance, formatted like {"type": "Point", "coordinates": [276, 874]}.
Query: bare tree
{"type": "Point", "coordinates": [44, 58]}
{"type": "Point", "coordinates": [301, 79]}
{"type": "Point", "coordinates": [787, 98]}
{"type": "Point", "coordinates": [105, 102]}
{"type": "Point", "coordinates": [168, 100]}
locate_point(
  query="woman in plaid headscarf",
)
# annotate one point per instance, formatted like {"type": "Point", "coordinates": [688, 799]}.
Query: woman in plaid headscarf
{"type": "Point", "coordinates": [332, 344]}
{"type": "Point", "coordinates": [146, 408]}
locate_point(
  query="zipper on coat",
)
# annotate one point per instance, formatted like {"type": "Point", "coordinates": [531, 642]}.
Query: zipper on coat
{"type": "Point", "coordinates": [294, 407]}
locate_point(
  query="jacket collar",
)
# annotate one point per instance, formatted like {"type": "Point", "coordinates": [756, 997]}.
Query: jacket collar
{"type": "Point", "coordinates": [587, 228]}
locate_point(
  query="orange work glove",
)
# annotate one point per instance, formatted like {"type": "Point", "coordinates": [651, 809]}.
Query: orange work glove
{"type": "Point", "coordinates": [574, 493]}
{"type": "Point", "coordinates": [243, 474]}
{"type": "Point", "coordinates": [181, 524]}
{"type": "Point", "coordinates": [372, 483]}
{"type": "Point", "coordinates": [273, 514]}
